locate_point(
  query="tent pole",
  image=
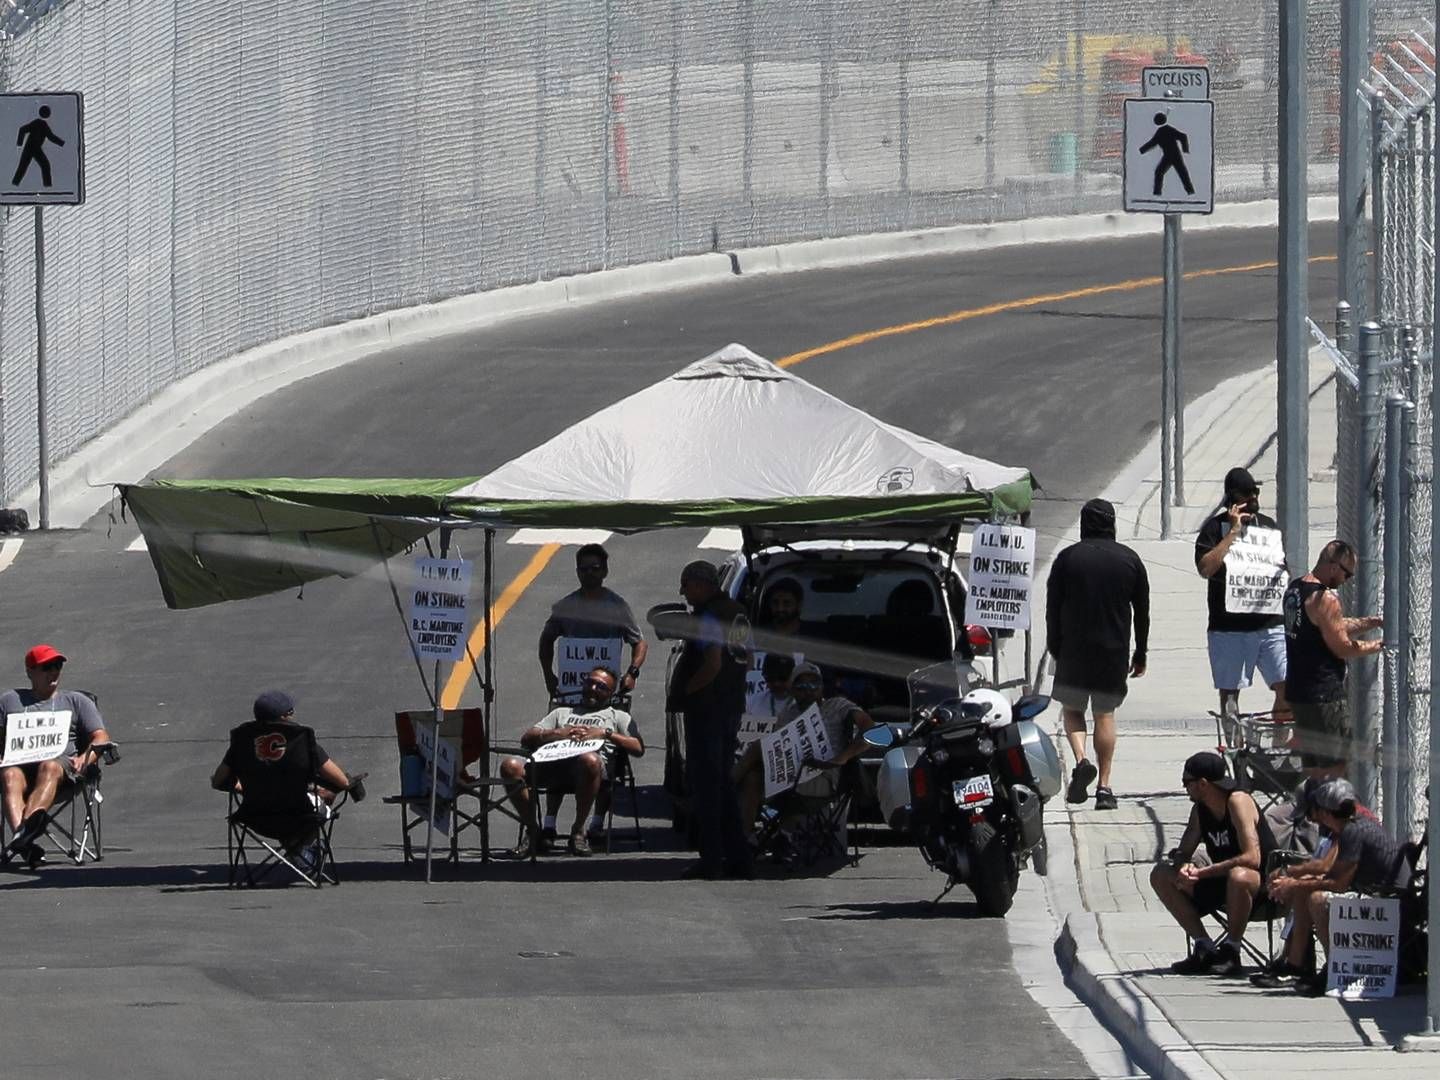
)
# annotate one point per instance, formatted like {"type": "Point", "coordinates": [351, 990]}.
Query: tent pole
{"type": "Point", "coordinates": [435, 747]}
{"type": "Point", "coordinates": [488, 690]}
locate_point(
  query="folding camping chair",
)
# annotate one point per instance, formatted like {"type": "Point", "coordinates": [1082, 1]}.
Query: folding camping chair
{"type": "Point", "coordinates": [798, 829]}
{"type": "Point", "coordinates": [313, 864]}
{"type": "Point", "coordinates": [1263, 754]}
{"type": "Point", "coordinates": [72, 824]}
{"type": "Point", "coordinates": [486, 790]}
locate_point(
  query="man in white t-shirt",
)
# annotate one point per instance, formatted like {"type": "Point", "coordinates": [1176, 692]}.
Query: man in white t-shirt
{"type": "Point", "coordinates": [29, 790]}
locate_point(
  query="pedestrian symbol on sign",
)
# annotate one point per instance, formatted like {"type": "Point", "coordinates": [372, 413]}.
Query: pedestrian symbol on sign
{"type": "Point", "coordinates": [1173, 146]}
{"type": "Point", "coordinates": [32, 138]}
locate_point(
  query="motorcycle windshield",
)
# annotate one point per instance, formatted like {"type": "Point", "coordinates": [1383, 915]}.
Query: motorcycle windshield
{"type": "Point", "coordinates": [945, 681]}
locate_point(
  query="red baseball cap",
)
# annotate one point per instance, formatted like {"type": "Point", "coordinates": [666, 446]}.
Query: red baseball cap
{"type": "Point", "coordinates": [41, 655]}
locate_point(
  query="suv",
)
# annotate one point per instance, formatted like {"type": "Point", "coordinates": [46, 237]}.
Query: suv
{"type": "Point", "coordinates": [879, 603]}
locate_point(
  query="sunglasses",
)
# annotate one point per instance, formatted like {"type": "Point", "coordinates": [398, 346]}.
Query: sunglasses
{"type": "Point", "coordinates": [805, 684]}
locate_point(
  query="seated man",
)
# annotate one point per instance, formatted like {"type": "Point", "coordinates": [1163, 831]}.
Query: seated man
{"type": "Point", "coordinates": [1238, 840]}
{"type": "Point", "coordinates": [582, 775]}
{"type": "Point", "coordinates": [807, 687]}
{"type": "Point", "coordinates": [1362, 857]}
{"type": "Point", "coordinates": [283, 776]}
{"type": "Point", "coordinates": [26, 812]}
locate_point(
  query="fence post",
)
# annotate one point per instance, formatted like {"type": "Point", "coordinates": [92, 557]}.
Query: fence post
{"type": "Point", "coordinates": [607, 109]}
{"type": "Point", "coordinates": [1363, 685]}
{"type": "Point", "coordinates": [1292, 353]}
{"type": "Point", "coordinates": [1396, 647]}
{"type": "Point", "coordinates": [1354, 55]}
{"type": "Point", "coordinates": [1405, 780]}
{"type": "Point", "coordinates": [1377, 204]}
{"type": "Point", "coordinates": [674, 128]}
{"type": "Point", "coordinates": [904, 104]}
{"type": "Point", "coordinates": [747, 60]}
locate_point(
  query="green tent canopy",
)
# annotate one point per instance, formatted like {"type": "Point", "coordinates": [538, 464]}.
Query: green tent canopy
{"type": "Point", "coordinates": [729, 440]}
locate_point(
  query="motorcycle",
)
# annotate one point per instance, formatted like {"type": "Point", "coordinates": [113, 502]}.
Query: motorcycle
{"type": "Point", "coordinates": [968, 781]}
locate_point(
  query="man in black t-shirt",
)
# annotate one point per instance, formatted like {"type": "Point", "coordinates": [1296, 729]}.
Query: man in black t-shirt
{"type": "Point", "coordinates": [1245, 630]}
{"type": "Point", "coordinates": [1365, 859]}
{"type": "Point", "coordinates": [274, 763]}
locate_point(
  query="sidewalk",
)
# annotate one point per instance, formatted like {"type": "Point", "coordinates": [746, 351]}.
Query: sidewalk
{"type": "Point", "coordinates": [1118, 949]}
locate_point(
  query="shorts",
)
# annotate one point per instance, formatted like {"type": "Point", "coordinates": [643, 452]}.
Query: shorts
{"type": "Point", "coordinates": [1234, 656]}
{"type": "Point", "coordinates": [560, 776]}
{"type": "Point", "coordinates": [1323, 731]}
{"type": "Point", "coordinates": [1209, 895]}
{"type": "Point", "coordinates": [1078, 698]}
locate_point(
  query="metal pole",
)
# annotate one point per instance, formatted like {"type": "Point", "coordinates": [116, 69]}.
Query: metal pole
{"type": "Point", "coordinates": [1344, 325]}
{"type": "Point", "coordinates": [903, 89]}
{"type": "Point", "coordinates": [1391, 714]}
{"type": "Point", "coordinates": [609, 118]}
{"type": "Point", "coordinates": [1177, 392]}
{"type": "Point", "coordinates": [1293, 356]}
{"type": "Point", "coordinates": [827, 47]}
{"type": "Point", "coordinates": [542, 67]}
{"type": "Point", "coordinates": [1354, 56]}
{"type": "Point", "coordinates": [42, 397]}
{"type": "Point", "coordinates": [1364, 671]}
{"type": "Point", "coordinates": [675, 242]}
{"type": "Point", "coordinates": [1404, 812]}
{"type": "Point", "coordinates": [747, 60]}
{"type": "Point", "coordinates": [1430, 1036]}
{"type": "Point", "coordinates": [1377, 207]}
{"type": "Point", "coordinates": [990, 39]}
{"type": "Point", "coordinates": [488, 690]}
{"type": "Point", "coordinates": [1079, 177]}
{"type": "Point", "coordinates": [1167, 375]}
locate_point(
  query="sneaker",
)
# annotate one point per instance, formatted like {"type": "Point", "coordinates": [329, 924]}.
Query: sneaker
{"type": "Point", "coordinates": [1104, 799]}
{"type": "Point", "coordinates": [523, 849]}
{"type": "Point", "coordinates": [1280, 977]}
{"type": "Point", "coordinates": [548, 839]}
{"type": "Point", "coordinates": [579, 845]}
{"type": "Point", "coordinates": [700, 872]}
{"type": "Point", "coordinates": [1227, 962]}
{"type": "Point", "coordinates": [1199, 962]}
{"type": "Point", "coordinates": [34, 856]}
{"type": "Point", "coordinates": [1313, 985]}
{"type": "Point", "coordinates": [1081, 777]}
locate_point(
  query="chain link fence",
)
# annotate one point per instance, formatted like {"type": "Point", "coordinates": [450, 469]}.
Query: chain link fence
{"type": "Point", "coordinates": [261, 169]}
{"type": "Point", "coordinates": [1384, 457]}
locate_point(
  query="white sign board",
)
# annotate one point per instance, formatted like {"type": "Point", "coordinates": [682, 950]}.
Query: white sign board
{"type": "Point", "coordinates": [1255, 572]}
{"type": "Point", "coordinates": [752, 726]}
{"type": "Point", "coordinates": [42, 149]}
{"type": "Point", "coordinates": [577, 657]}
{"type": "Point", "coordinates": [1002, 569]}
{"type": "Point", "coordinates": [35, 736]}
{"type": "Point", "coordinates": [444, 777]}
{"type": "Point", "coordinates": [1169, 156]}
{"type": "Point", "coordinates": [1363, 953]}
{"type": "Point", "coordinates": [783, 751]}
{"type": "Point", "coordinates": [439, 608]}
{"type": "Point", "coordinates": [564, 749]}
{"type": "Point", "coordinates": [1188, 82]}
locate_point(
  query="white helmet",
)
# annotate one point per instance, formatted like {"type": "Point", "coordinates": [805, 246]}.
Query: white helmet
{"type": "Point", "coordinates": [989, 706]}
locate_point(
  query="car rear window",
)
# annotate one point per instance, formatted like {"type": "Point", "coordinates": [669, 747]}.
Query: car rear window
{"type": "Point", "coordinates": [863, 589]}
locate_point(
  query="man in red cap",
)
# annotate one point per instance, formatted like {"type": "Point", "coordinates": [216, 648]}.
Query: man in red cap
{"type": "Point", "coordinates": [29, 789]}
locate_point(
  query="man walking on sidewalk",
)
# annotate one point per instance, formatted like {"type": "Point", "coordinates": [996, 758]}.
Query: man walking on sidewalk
{"type": "Point", "coordinates": [1094, 587]}
{"type": "Point", "coordinates": [1319, 640]}
{"type": "Point", "coordinates": [1241, 552]}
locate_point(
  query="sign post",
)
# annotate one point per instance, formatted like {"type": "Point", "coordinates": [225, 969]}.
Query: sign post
{"type": "Point", "coordinates": [44, 164]}
{"type": "Point", "coordinates": [1169, 168]}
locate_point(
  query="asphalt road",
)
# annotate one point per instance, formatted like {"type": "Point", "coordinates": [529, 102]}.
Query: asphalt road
{"type": "Point", "coordinates": [608, 967]}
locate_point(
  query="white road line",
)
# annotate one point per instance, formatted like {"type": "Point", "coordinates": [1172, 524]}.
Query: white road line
{"type": "Point", "coordinates": [8, 550]}
{"type": "Point", "coordinates": [722, 539]}
{"type": "Point", "coordinates": [138, 544]}
{"type": "Point", "coordinates": [576, 537]}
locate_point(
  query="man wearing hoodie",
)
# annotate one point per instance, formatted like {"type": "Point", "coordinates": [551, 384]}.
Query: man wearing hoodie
{"type": "Point", "coordinates": [1094, 588]}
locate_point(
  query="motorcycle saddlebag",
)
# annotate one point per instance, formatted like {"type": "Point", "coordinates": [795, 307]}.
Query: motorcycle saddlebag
{"type": "Point", "coordinates": [1040, 765]}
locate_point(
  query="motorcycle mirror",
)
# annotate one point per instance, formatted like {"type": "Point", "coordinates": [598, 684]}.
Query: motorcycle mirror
{"type": "Point", "coordinates": [880, 736]}
{"type": "Point", "coordinates": [1031, 706]}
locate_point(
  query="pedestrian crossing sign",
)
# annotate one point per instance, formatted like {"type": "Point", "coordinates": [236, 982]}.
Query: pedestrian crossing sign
{"type": "Point", "coordinates": [1169, 156]}
{"type": "Point", "coordinates": [42, 149]}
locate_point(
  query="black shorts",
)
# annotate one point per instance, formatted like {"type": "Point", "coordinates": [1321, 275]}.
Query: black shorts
{"type": "Point", "coordinates": [561, 776]}
{"type": "Point", "coordinates": [1323, 731]}
{"type": "Point", "coordinates": [1209, 895]}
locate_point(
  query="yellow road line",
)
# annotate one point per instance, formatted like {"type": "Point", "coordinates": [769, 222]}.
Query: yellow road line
{"type": "Point", "coordinates": [1018, 305]}
{"type": "Point", "coordinates": [460, 671]}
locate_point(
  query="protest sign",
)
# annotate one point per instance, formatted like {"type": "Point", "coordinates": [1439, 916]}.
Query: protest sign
{"type": "Point", "coordinates": [35, 736]}
{"type": "Point", "coordinates": [782, 751]}
{"type": "Point", "coordinates": [445, 776]}
{"type": "Point", "coordinates": [752, 726]}
{"type": "Point", "coordinates": [1363, 953]}
{"type": "Point", "coordinates": [439, 608]}
{"type": "Point", "coordinates": [1255, 572]}
{"type": "Point", "coordinates": [577, 657]}
{"type": "Point", "coordinates": [1002, 567]}
{"type": "Point", "coordinates": [564, 749]}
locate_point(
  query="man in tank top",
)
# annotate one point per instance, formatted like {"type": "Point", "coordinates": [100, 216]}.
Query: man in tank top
{"type": "Point", "coordinates": [1319, 641]}
{"type": "Point", "coordinates": [1238, 840]}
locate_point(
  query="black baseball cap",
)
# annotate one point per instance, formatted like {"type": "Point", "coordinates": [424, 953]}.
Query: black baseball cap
{"type": "Point", "coordinates": [1208, 765]}
{"type": "Point", "coordinates": [1239, 480]}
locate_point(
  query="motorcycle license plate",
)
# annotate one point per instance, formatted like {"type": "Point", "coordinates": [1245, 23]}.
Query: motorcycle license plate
{"type": "Point", "coordinates": [974, 793]}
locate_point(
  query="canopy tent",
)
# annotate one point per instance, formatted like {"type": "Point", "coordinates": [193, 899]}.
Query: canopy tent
{"type": "Point", "coordinates": [729, 440]}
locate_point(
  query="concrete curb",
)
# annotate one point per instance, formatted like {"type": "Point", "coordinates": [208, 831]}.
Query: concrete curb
{"type": "Point", "coordinates": [80, 484]}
